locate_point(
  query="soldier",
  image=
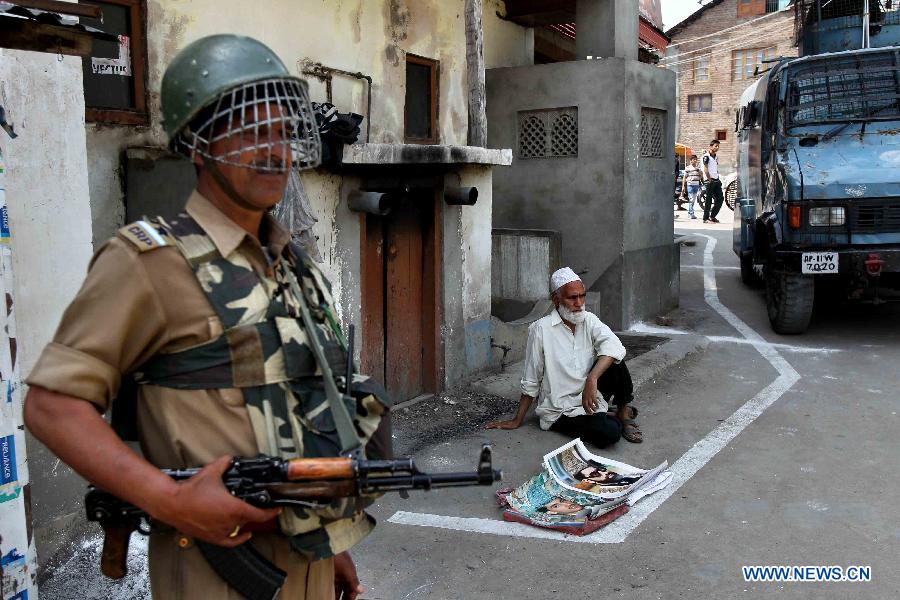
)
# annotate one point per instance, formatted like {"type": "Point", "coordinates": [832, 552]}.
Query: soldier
{"type": "Point", "coordinates": [203, 313]}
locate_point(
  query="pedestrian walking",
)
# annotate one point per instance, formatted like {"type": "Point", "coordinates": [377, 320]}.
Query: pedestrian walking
{"type": "Point", "coordinates": [714, 195]}
{"type": "Point", "coordinates": [690, 184]}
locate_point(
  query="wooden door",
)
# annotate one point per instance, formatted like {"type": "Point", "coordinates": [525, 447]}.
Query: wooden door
{"type": "Point", "coordinates": [400, 297]}
{"type": "Point", "coordinates": [403, 354]}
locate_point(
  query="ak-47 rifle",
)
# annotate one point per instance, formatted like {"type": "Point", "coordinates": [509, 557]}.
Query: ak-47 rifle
{"type": "Point", "coordinates": [267, 481]}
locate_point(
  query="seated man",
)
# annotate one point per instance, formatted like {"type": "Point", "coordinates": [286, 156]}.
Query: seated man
{"type": "Point", "coordinates": [571, 355]}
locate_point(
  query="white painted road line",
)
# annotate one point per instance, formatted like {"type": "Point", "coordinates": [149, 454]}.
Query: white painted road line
{"type": "Point", "coordinates": [682, 469]}
{"type": "Point", "coordinates": [488, 526]}
{"type": "Point", "coordinates": [721, 339]}
{"type": "Point", "coordinates": [715, 268]}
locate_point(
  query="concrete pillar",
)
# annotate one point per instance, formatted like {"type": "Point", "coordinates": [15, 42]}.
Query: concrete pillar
{"type": "Point", "coordinates": [606, 28]}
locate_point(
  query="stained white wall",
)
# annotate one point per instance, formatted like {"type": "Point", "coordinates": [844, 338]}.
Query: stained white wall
{"type": "Point", "coordinates": [47, 183]}
{"type": "Point", "coordinates": [50, 224]}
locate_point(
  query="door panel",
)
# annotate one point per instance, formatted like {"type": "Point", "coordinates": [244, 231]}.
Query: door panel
{"type": "Point", "coordinates": [401, 267]}
{"type": "Point", "coordinates": [403, 288]}
{"type": "Point", "coordinates": [371, 358]}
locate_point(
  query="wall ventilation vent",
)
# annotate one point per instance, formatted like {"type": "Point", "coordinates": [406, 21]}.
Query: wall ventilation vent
{"type": "Point", "coordinates": [548, 133]}
{"type": "Point", "coordinates": [653, 132]}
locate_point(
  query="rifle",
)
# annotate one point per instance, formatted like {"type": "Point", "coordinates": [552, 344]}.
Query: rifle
{"type": "Point", "coordinates": [268, 481]}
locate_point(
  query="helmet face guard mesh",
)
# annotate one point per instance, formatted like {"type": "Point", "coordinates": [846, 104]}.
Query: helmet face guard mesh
{"type": "Point", "coordinates": [268, 126]}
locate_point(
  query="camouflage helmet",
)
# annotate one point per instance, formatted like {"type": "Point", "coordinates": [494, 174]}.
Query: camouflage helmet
{"type": "Point", "coordinates": [220, 76]}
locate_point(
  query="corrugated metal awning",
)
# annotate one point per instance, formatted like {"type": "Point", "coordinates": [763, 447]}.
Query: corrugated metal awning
{"type": "Point", "coordinates": [648, 35]}
{"type": "Point", "coordinates": [23, 27]}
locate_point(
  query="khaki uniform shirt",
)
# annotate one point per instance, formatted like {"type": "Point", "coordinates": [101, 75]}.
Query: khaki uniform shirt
{"type": "Point", "coordinates": [134, 305]}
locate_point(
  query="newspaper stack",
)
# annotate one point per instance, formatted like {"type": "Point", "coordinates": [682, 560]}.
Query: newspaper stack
{"type": "Point", "coordinates": [578, 492]}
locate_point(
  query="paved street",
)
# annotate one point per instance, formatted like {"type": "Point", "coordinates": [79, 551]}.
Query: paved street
{"type": "Point", "coordinates": [782, 449]}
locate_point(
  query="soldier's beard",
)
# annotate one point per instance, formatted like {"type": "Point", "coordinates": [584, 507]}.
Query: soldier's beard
{"type": "Point", "coordinates": [570, 315]}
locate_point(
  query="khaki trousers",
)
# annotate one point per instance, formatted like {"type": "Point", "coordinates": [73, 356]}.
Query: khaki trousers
{"type": "Point", "coordinates": [182, 573]}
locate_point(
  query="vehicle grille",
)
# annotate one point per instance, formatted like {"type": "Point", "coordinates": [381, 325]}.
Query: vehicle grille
{"type": "Point", "coordinates": [875, 218]}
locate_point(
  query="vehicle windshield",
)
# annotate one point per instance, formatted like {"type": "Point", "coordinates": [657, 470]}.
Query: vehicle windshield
{"type": "Point", "coordinates": [860, 87]}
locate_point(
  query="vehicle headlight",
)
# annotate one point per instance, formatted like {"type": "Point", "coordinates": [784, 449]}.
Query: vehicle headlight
{"type": "Point", "coordinates": [826, 216]}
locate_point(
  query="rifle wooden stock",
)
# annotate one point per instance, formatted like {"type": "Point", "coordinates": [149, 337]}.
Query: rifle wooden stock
{"type": "Point", "coordinates": [114, 560]}
{"type": "Point", "coordinates": [314, 490]}
{"type": "Point", "coordinates": [301, 469]}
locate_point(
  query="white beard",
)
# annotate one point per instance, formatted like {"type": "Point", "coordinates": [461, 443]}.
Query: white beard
{"type": "Point", "coordinates": [570, 316]}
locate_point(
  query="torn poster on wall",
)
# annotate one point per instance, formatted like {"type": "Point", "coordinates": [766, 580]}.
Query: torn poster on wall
{"type": "Point", "coordinates": [17, 552]}
{"type": "Point", "coordinates": [115, 66]}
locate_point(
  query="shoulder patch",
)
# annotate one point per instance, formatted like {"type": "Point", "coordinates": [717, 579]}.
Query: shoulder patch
{"type": "Point", "coordinates": [145, 235]}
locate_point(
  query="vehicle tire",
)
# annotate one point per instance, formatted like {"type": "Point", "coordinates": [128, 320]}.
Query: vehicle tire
{"type": "Point", "coordinates": [701, 199]}
{"type": "Point", "coordinates": [748, 273]}
{"type": "Point", "coordinates": [731, 193]}
{"type": "Point", "coordinates": [789, 301]}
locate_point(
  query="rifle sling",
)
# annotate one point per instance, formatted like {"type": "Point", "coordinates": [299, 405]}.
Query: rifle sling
{"type": "Point", "coordinates": [245, 570]}
{"type": "Point", "coordinates": [343, 422]}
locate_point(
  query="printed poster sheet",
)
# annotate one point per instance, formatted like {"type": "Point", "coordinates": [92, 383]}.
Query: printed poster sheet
{"type": "Point", "coordinates": [579, 492]}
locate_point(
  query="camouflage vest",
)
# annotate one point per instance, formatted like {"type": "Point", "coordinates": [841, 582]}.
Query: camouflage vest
{"type": "Point", "coordinates": [264, 351]}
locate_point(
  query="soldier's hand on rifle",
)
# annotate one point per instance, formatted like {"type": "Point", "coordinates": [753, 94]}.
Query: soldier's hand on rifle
{"type": "Point", "coordinates": [202, 508]}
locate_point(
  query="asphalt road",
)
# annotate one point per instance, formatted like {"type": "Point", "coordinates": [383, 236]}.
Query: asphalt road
{"type": "Point", "coordinates": [804, 476]}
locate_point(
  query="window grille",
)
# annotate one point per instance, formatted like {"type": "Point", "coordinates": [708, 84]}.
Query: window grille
{"type": "Point", "coordinates": [700, 103]}
{"type": "Point", "coordinates": [840, 89]}
{"type": "Point", "coordinates": [653, 132]}
{"type": "Point", "coordinates": [745, 62]}
{"type": "Point", "coordinates": [548, 133]}
{"type": "Point", "coordinates": [564, 136]}
{"type": "Point", "coordinates": [701, 68]}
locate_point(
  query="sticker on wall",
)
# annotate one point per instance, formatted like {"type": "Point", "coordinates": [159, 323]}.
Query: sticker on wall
{"type": "Point", "coordinates": [9, 480]}
{"type": "Point", "coordinates": [14, 570]}
{"type": "Point", "coordinates": [5, 236]}
{"type": "Point", "coordinates": [115, 66]}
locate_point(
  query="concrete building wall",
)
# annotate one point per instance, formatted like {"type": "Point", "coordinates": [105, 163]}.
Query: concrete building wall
{"type": "Point", "coordinates": [696, 129]}
{"type": "Point", "coordinates": [50, 224]}
{"type": "Point", "coordinates": [610, 207]}
{"type": "Point", "coordinates": [648, 230]}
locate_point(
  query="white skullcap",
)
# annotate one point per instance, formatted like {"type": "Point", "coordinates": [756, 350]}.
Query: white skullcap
{"type": "Point", "coordinates": [561, 277]}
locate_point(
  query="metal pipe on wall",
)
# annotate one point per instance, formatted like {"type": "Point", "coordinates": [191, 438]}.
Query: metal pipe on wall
{"type": "Point", "coordinates": [325, 74]}
{"type": "Point", "coordinates": [865, 24]}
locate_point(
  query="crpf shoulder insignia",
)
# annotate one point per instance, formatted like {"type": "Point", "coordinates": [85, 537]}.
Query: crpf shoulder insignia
{"type": "Point", "coordinates": [146, 234]}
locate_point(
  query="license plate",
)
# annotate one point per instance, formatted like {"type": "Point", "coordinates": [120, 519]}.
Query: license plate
{"type": "Point", "coordinates": [819, 263]}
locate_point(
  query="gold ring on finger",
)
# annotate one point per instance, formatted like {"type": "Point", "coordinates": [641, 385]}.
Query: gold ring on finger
{"type": "Point", "coordinates": [237, 530]}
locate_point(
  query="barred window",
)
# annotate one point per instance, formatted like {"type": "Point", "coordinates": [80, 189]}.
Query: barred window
{"type": "Point", "coordinates": [698, 103]}
{"type": "Point", "coordinates": [548, 133]}
{"type": "Point", "coordinates": [744, 62]}
{"type": "Point", "coordinates": [653, 132]}
{"type": "Point", "coordinates": [701, 68]}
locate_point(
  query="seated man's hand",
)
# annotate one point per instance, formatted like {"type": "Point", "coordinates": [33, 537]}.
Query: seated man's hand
{"type": "Point", "coordinates": [511, 424]}
{"type": "Point", "coordinates": [589, 397]}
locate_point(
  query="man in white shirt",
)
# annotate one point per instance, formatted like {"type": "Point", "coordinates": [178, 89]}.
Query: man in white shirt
{"type": "Point", "coordinates": [574, 364]}
{"type": "Point", "coordinates": [714, 196]}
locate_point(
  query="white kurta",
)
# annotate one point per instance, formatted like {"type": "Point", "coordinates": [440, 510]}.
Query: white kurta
{"type": "Point", "coordinates": [557, 363]}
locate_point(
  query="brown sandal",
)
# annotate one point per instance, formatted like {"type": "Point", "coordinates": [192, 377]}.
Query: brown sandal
{"type": "Point", "coordinates": [631, 432]}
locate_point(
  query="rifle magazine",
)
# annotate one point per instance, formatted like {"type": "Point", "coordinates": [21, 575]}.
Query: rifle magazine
{"type": "Point", "coordinates": [245, 570]}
